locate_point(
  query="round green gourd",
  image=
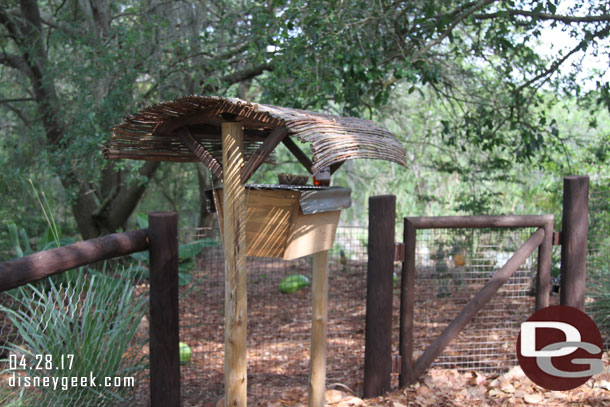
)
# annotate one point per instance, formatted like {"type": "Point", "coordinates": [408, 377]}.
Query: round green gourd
{"type": "Point", "coordinates": [293, 283]}
{"type": "Point", "coordinates": [185, 353]}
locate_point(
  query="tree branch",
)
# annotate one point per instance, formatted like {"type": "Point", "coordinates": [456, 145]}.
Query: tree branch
{"type": "Point", "coordinates": [61, 26]}
{"type": "Point", "coordinates": [458, 19]}
{"type": "Point", "coordinates": [240, 76]}
{"type": "Point", "coordinates": [16, 100]}
{"type": "Point", "coordinates": [545, 16]}
{"type": "Point", "coordinates": [555, 65]}
{"type": "Point", "coordinates": [17, 62]}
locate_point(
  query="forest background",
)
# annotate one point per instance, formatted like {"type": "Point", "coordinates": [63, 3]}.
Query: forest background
{"type": "Point", "coordinates": [494, 101]}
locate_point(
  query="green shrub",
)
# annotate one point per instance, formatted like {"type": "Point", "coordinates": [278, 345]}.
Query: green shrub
{"type": "Point", "coordinates": [93, 317]}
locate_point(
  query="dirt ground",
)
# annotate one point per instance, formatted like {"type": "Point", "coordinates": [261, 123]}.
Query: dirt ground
{"type": "Point", "coordinates": [278, 342]}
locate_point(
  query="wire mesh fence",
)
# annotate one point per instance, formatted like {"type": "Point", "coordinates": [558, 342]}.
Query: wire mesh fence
{"type": "Point", "coordinates": [452, 265]}
{"type": "Point", "coordinates": [279, 322]}
{"type": "Point", "coordinates": [73, 339]}
{"type": "Point", "coordinates": [598, 257]}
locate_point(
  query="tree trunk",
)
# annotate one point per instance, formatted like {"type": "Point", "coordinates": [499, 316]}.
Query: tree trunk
{"type": "Point", "coordinates": [206, 218]}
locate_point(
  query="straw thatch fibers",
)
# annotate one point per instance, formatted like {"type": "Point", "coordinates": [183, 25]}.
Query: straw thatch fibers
{"type": "Point", "coordinates": [154, 132]}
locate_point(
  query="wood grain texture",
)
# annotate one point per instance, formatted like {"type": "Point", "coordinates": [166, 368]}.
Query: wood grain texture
{"type": "Point", "coordinates": [204, 155]}
{"type": "Point", "coordinates": [574, 241]}
{"type": "Point", "coordinates": [276, 226]}
{"type": "Point", "coordinates": [543, 277]}
{"type": "Point", "coordinates": [319, 328]}
{"type": "Point", "coordinates": [407, 306]}
{"type": "Point", "coordinates": [443, 222]}
{"type": "Point", "coordinates": [259, 156]}
{"type": "Point", "coordinates": [234, 232]}
{"type": "Point", "coordinates": [164, 323]}
{"type": "Point", "coordinates": [311, 234]}
{"type": "Point", "coordinates": [43, 264]}
{"type": "Point", "coordinates": [380, 271]}
{"type": "Point", "coordinates": [298, 154]}
{"type": "Point", "coordinates": [482, 297]}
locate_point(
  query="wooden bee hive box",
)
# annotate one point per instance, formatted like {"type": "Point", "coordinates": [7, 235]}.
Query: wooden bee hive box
{"type": "Point", "coordinates": [290, 221]}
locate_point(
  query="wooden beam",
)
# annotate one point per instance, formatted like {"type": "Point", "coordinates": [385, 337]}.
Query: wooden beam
{"type": "Point", "coordinates": [256, 159]}
{"type": "Point", "coordinates": [543, 277]}
{"type": "Point", "coordinates": [234, 236]}
{"type": "Point", "coordinates": [43, 264]}
{"type": "Point", "coordinates": [477, 302]}
{"type": "Point", "coordinates": [199, 117]}
{"type": "Point", "coordinates": [200, 152]}
{"type": "Point", "coordinates": [334, 167]}
{"type": "Point", "coordinates": [407, 306]}
{"type": "Point", "coordinates": [574, 241]}
{"type": "Point", "coordinates": [298, 153]}
{"type": "Point", "coordinates": [319, 328]}
{"type": "Point", "coordinates": [509, 221]}
{"type": "Point", "coordinates": [164, 324]}
{"type": "Point", "coordinates": [379, 282]}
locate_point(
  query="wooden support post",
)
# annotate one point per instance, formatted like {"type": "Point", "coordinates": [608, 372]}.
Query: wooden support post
{"type": "Point", "coordinates": [317, 365]}
{"type": "Point", "coordinates": [407, 304]}
{"type": "Point", "coordinates": [164, 324]}
{"type": "Point", "coordinates": [378, 331]}
{"type": "Point", "coordinates": [234, 227]}
{"type": "Point", "coordinates": [543, 278]}
{"type": "Point", "coordinates": [298, 153]}
{"type": "Point", "coordinates": [574, 241]}
{"type": "Point", "coordinates": [481, 298]}
{"type": "Point", "coordinates": [260, 155]}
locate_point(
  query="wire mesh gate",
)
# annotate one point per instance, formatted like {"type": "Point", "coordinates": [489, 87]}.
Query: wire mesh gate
{"type": "Point", "coordinates": [476, 301]}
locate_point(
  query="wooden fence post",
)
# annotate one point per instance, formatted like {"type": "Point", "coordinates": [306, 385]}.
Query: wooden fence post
{"type": "Point", "coordinates": [317, 364]}
{"type": "Point", "coordinates": [164, 323]}
{"type": "Point", "coordinates": [574, 241]}
{"type": "Point", "coordinates": [407, 301]}
{"type": "Point", "coordinates": [543, 278]}
{"type": "Point", "coordinates": [378, 332]}
{"type": "Point", "coordinates": [234, 237]}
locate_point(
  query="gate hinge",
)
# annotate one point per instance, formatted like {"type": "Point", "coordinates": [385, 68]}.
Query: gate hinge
{"type": "Point", "coordinates": [399, 253]}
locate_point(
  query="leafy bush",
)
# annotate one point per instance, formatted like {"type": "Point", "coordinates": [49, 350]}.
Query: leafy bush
{"type": "Point", "coordinates": [93, 317]}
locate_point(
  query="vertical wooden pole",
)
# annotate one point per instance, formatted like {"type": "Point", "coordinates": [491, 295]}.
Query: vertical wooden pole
{"type": "Point", "coordinates": [543, 280]}
{"type": "Point", "coordinates": [234, 226]}
{"type": "Point", "coordinates": [378, 331]}
{"type": "Point", "coordinates": [407, 303]}
{"type": "Point", "coordinates": [317, 364]}
{"type": "Point", "coordinates": [164, 323]}
{"type": "Point", "coordinates": [574, 241]}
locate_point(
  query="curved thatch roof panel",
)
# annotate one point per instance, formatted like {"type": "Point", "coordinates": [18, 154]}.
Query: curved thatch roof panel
{"type": "Point", "coordinates": [153, 133]}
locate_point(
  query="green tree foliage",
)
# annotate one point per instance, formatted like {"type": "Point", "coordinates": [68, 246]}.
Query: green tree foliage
{"type": "Point", "coordinates": [71, 69]}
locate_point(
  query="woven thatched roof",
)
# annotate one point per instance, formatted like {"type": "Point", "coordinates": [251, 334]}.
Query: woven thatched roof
{"type": "Point", "coordinates": [153, 133]}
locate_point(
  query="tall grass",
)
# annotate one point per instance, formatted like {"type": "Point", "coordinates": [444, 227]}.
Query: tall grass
{"type": "Point", "coordinates": [94, 317]}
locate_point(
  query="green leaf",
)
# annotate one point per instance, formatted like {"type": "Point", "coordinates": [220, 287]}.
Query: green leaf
{"type": "Point", "coordinates": [14, 236]}
{"type": "Point", "coordinates": [189, 250]}
{"type": "Point", "coordinates": [184, 278]}
{"type": "Point", "coordinates": [142, 220]}
{"type": "Point", "coordinates": [142, 257]}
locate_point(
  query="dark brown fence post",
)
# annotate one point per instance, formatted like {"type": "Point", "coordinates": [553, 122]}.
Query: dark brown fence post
{"type": "Point", "coordinates": [378, 332]}
{"type": "Point", "coordinates": [407, 301]}
{"type": "Point", "coordinates": [543, 279]}
{"type": "Point", "coordinates": [164, 324]}
{"type": "Point", "coordinates": [574, 241]}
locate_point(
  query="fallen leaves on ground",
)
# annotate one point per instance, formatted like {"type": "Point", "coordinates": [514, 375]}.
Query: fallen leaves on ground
{"type": "Point", "coordinates": [450, 388]}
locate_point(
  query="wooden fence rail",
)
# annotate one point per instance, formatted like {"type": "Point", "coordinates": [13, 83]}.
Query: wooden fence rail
{"type": "Point", "coordinates": [37, 266]}
{"type": "Point", "coordinates": [161, 239]}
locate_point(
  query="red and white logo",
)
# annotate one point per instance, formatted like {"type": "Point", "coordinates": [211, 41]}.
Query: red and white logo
{"type": "Point", "coordinates": [560, 348]}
